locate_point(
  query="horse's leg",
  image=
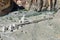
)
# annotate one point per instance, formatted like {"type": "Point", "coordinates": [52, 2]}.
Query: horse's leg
{"type": "Point", "coordinates": [54, 4]}
{"type": "Point", "coordinates": [33, 5]}
{"type": "Point", "coordinates": [28, 4]}
{"type": "Point", "coordinates": [45, 4]}
{"type": "Point", "coordinates": [50, 4]}
{"type": "Point", "coordinates": [39, 5]}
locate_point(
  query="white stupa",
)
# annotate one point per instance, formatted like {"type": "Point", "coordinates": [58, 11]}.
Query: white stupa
{"type": "Point", "coordinates": [22, 19]}
{"type": "Point", "coordinates": [4, 29]}
{"type": "Point", "coordinates": [11, 27]}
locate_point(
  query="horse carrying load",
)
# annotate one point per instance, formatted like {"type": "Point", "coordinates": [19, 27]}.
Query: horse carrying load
{"type": "Point", "coordinates": [38, 5]}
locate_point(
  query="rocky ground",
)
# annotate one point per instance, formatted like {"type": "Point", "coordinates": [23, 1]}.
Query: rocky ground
{"type": "Point", "coordinates": [43, 30]}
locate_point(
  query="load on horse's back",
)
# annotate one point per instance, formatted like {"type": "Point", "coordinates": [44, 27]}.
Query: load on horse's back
{"type": "Point", "coordinates": [38, 5]}
{"type": "Point", "coordinates": [5, 6]}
